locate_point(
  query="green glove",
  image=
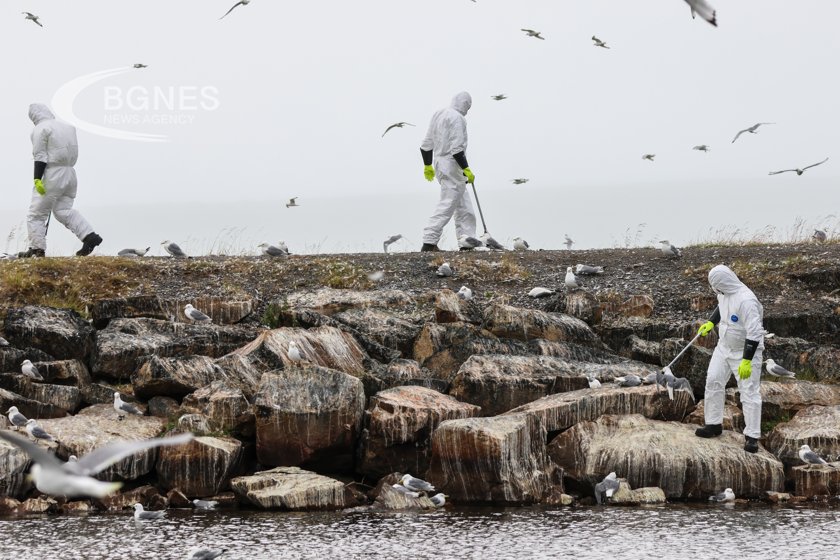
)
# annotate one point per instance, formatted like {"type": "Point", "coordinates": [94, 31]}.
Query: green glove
{"type": "Point", "coordinates": [429, 172]}
{"type": "Point", "coordinates": [706, 328]}
{"type": "Point", "coordinates": [39, 187]}
{"type": "Point", "coordinates": [470, 175]}
{"type": "Point", "coordinates": [745, 369]}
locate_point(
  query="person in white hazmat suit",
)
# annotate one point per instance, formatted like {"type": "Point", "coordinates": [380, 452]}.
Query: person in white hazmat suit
{"type": "Point", "coordinates": [444, 152]}
{"type": "Point", "coordinates": [55, 150]}
{"type": "Point", "coordinates": [739, 316]}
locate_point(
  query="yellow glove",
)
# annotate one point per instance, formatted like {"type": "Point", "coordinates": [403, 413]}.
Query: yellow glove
{"type": "Point", "coordinates": [429, 172]}
{"type": "Point", "coordinates": [39, 187]}
{"type": "Point", "coordinates": [706, 328]}
{"type": "Point", "coordinates": [469, 174]}
{"type": "Point", "coordinates": [745, 369]}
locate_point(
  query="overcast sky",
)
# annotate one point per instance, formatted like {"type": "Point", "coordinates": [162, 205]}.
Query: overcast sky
{"type": "Point", "coordinates": [304, 91]}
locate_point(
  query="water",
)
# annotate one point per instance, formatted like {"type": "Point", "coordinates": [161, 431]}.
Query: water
{"type": "Point", "coordinates": [672, 531]}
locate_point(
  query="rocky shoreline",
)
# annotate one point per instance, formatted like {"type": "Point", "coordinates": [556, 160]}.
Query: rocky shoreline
{"type": "Point", "coordinates": [487, 399]}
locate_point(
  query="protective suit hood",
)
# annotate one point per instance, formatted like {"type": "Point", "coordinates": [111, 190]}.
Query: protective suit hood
{"type": "Point", "coordinates": [724, 281]}
{"type": "Point", "coordinates": [462, 102]}
{"type": "Point", "coordinates": [39, 112]}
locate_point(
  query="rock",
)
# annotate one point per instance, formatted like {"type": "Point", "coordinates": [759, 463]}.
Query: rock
{"type": "Point", "coordinates": [399, 373]}
{"type": "Point", "coordinates": [65, 372]}
{"type": "Point", "coordinates": [733, 417]}
{"type": "Point", "coordinates": [121, 348]}
{"type": "Point", "coordinates": [398, 427]}
{"type": "Point", "coordinates": [636, 306]}
{"type": "Point", "coordinates": [815, 426]}
{"type": "Point", "coordinates": [98, 393]}
{"type": "Point", "coordinates": [328, 301]}
{"type": "Point", "coordinates": [290, 488]}
{"type": "Point", "coordinates": [174, 377]}
{"type": "Point", "coordinates": [60, 332]}
{"type": "Point", "coordinates": [8, 506]}
{"type": "Point", "coordinates": [387, 498]}
{"type": "Point", "coordinates": [703, 302]}
{"type": "Point", "coordinates": [178, 499]}
{"type": "Point", "coordinates": [626, 496]}
{"type": "Point", "coordinates": [516, 323]}
{"type": "Point", "coordinates": [309, 416]}
{"type": "Point", "coordinates": [500, 383]}
{"type": "Point", "coordinates": [664, 454]}
{"type": "Point", "coordinates": [197, 424]}
{"type": "Point", "coordinates": [98, 425]}
{"type": "Point", "coordinates": [327, 347]}
{"type": "Point", "coordinates": [163, 407]}
{"type": "Point", "coordinates": [76, 508]}
{"type": "Point", "coordinates": [500, 460]}
{"type": "Point", "coordinates": [822, 361]}
{"type": "Point", "coordinates": [386, 329]}
{"type": "Point", "coordinates": [642, 350]}
{"type": "Point", "coordinates": [240, 372]}
{"type": "Point", "coordinates": [146, 495]}
{"type": "Point", "coordinates": [62, 397]}
{"type": "Point", "coordinates": [41, 504]}
{"type": "Point", "coordinates": [200, 468]}
{"type": "Point", "coordinates": [584, 305]}
{"type": "Point", "coordinates": [29, 407]}
{"type": "Point", "coordinates": [558, 499]}
{"type": "Point", "coordinates": [778, 497]}
{"type": "Point", "coordinates": [11, 358]}
{"type": "Point", "coordinates": [615, 331]}
{"type": "Point", "coordinates": [226, 407]}
{"type": "Point", "coordinates": [14, 465]}
{"type": "Point", "coordinates": [781, 400]}
{"type": "Point", "coordinates": [564, 410]}
{"type": "Point", "coordinates": [220, 310]}
{"type": "Point", "coordinates": [812, 480]}
{"type": "Point", "coordinates": [571, 351]}
{"type": "Point", "coordinates": [449, 308]}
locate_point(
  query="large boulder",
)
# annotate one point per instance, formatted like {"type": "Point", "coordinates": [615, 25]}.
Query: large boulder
{"type": "Point", "coordinates": [398, 427]}
{"type": "Point", "coordinates": [221, 311]}
{"type": "Point", "coordinates": [241, 372]}
{"type": "Point", "coordinates": [62, 333]}
{"type": "Point", "coordinates": [572, 351]}
{"type": "Point", "coordinates": [99, 425]}
{"type": "Point", "coordinates": [636, 348]}
{"type": "Point", "coordinates": [815, 426]}
{"type": "Point", "coordinates": [290, 488]}
{"type": "Point", "coordinates": [500, 460]}
{"type": "Point", "coordinates": [30, 407]}
{"type": "Point", "coordinates": [516, 323]}
{"type": "Point", "coordinates": [500, 383]}
{"type": "Point", "coordinates": [781, 400]}
{"type": "Point", "coordinates": [13, 468]}
{"type": "Point", "coordinates": [564, 410]}
{"type": "Point", "coordinates": [401, 372]}
{"type": "Point", "coordinates": [200, 468]}
{"type": "Point", "coordinates": [450, 308]}
{"type": "Point", "coordinates": [309, 416]}
{"type": "Point", "coordinates": [664, 454]}
{"type": "Point", "coordinates": [584, 305]}
{"type": "Point", "coordinates": [121, 348]}
{"type": "Point", "coordinates": [386, 329]}
{"type": "Point", "coordinates": [822, 480]}
{"type": "Point", "coordinates": [733, 417]}
{"type": "Point", "coordinates": [226, 407]}
{"type": "Point", "coordinates": [174, 377]}
{"type": "Point", "coordinates": [11, 358]}
{"type": "Point", "coordinates": [65, 372]}
{"type": "Point", "coordinates": [63, 397]}
{"type": "Point", "coordinates": [328, 301]}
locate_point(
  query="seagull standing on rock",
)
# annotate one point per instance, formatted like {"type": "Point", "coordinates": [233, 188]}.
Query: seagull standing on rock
{"type": "Point", "coordinates": [294, 352]}
{"type": "Point", "coordinates": [669, 250]}
{"type": "Point", "coordinates": [124, 408]}
{"type": "Point", "coordinates": [195, 315]}
{"type": "Point", "coordinates": [570, 280]}
{"type": "Point", "coordinates": [29, 370]}
{"type": "Point", "coordinates": [37, 432]}
{"type": "Point", "coordinates": [726, 496]}
{"type": "Point", "coordinates": [403, 490]}
{"type": "Point", "coordinates": [807, 455]}
{"type": "Point", "coordinates": [416, 484]}
{"type": "Point", "coordinates": [776, 370]}
{"type": "Point", "coordinates": [439, 499]}
{"type": "Point", "coordinates": [520, 244]}
{"type": "Point", "coordinates": [17, 419]}
{"type": "Point", "coordinates": [173, 249]}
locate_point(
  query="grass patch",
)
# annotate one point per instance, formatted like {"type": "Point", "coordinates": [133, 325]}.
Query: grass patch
{"type": "Point", "coordinates": [768, 425]}
{"type": "Point", "coordinates": [274, 314]}
{"type": "Point", "coordinates": [505, 269]}
{"type": "Point", "coordinates": [343, 275]}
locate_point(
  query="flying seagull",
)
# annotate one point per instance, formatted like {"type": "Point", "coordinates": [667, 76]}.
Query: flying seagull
{"type": "Point", "coordinates": [240, 3]}
{"type": "Point", "coordinates": [173, 249]}
{"type": "Point", "coordinates": [704, 9]}
{"type": "Point", "coordinates": [726, 496]}
{"type": "Point", "coordinates": [141, 515]}
{"type": "Point", "coordinates": [390, 241]}
{"type": "Point", "coordinates": [752, 130]}
{"type": "Point", "coordinates": [416, 484]}
{"type": "Point", "coordinates": [32, 17]}
{"type": "Point", "coordinates": [17, 419]}
{"type": "Point", "coordinates": [133, 252]}
{"type": "Point", "coordinates": [439, 499]}
{"type": "Point", "coordinates": [292, 202]}
{"type": "Point", "coordinates": [138, 65]}
{"type": "Point", "coordinates": [294, 352]}
{"type": "Point", "coordinates": [799, 171]}
{"type": "Point", "coordinates": [444, 270]}
{"type": "Point", "coordinates": [520, 244]}
{"type": "Point", "coordinates": [669, 250]}
{"type": "Point", "coordinates": [599, 43]}
{"type": "Point", "coordinates": [568, 243]}
{"type": "Point", "coordinates": [606, 488]}
{"type": "Point", "coordinates": [124, 408]}
{"type": "Point", "coordinates": [465, 293]}
{"type": "Point", "coordinates": [519, 181]}
{"type": "Point", "coordinates": [534, 34]}
{"type": "Point", "coordinates": [810, 457]}
{"type": "Point", "coordinates": [272, 251]}
{"type": "Point", "coordinates": [396, 125]}
{"type": "Point", "coordinates": [649, 157]}
{"type": "Point", "coordinates": [499, 97]}
{"type": "Point", "coordinates": [701, 148]}
{"type": "Point", "coordinates": [29, 370]}
{"type": "Point", "coordinates": [776, 370]}
{"type": "Point", "coordinates": [570, 280]}
{"type": "Point", "coordinates": [539, 292]}
{"type": "Point", "coordinates": [819, 236]}
{"type": "Point", "coordinates": [37, 432]}
{"type": "Point", "coordinates": [74, 479]}
{"type": "Point", "coordinates": [195, 315]}
{"type": "Point", "coordinates": [205, 504]}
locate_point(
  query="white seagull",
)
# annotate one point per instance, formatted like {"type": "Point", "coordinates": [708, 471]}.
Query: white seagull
{"type": "Point", "coordinates": [240, 3]}
{"type": "Point", "coordinates": [519, 181]}
{"type": "Point", "coordinates": [704, 9]}
{"type": "Point", "coordinates": [585, 269]}
{"type": "Point", "coordinates": [593, 383]}
{"type": "Point", "coordinates": [173, 249]}
{"type": "Point", "coordinates": [390, 241]}
{"type": "Point", "coordinates": [810, 457]}
{"type": "Point", "coordinates": [571, 280]}
{"type": "Point", "coordinates": [776, 370]}
{"type": "Point", "coordinates": [403, 490]}
{"type": "Point", "coordinates": [797, 170]}
{"type": "Point", "coordinates": [465, 293]}
{"type": "Point", "coordinates": [540, 293]}
{"type": "Point", "coordinates": [124, 408]}
{"type": "Point", "coordinates": [133, 252]}
{"type": "Point", "coordinates": [75, 479]}
{"type": "Point", "coordinates": [606, 488]}
{"type": "Point", "coordinates": [283, 247]}
{"type": "Point", "coordinates": [568, 243]}
{"type": "Point", "coordinates": [139, 66]}
{"type": "Point", "coordinates": [669, 250]}
{"type": "Point", "coordinates": [469, 242]}
{"type": "Point", "coordinates": [416, 484]}
{"type": "Point", "coordinates": [488, 241]}
{"type": "Point", "coordinates": [444, 270]}
{"type": "Point", "coordinates": [396, 125]}
{"type": "Point", "coordinates": [599, 43]}
{"type": "Point", "coordinates": [499, 97]}
{"type": "Point", "coordinates": [141, 515]}
{"type": "Point", "coordinates": [292, 202]}
{"type": "Point", "coordinates": [628, 381]}
{"type": "Point", "coordinates": [205, 504]}
{"type": "Point", "coordinates": [272, 251]}
{"type": "Point", "coordinates": [752, 130]}
{"type": "Point", "coordinates": [17, 419]}
{"type": "Point", "coordinates": [37, 432]}
{"type": "Point", "coordinates": [649, 157]}
{"type": "Point", "coordinates": [726, 496]}
{"type": "Point", "coordinates": [29, 370]}
{"type": "Point", "coordinates": [819, 236]}
{"type": "Point", "coordinates": [702, 148]}
{"type": "Point", "coordinates": [439, 499]}
{"type": "Point", "coordinates": [294, 352]}
{"type": "Point", "coordinates": [33, 18]}
{"type": "Point", "coordinates": [195, 315]}
{"type": "Point", "coordinates": [520, 244]}
{"type": "Point", "coordinates": [534, 34]}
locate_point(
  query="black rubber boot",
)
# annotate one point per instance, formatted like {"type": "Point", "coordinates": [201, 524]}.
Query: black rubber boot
{"type": "Point", "coordinates": [89, 243]}
{"type": "Point", "coordinates": [428, 247]}
{"type": "Point", "coordinates": [32, 252]}
{"type": "Point", "coordinates": [750, 444]}
{"type": "Point", "coordinates": [709, 431]}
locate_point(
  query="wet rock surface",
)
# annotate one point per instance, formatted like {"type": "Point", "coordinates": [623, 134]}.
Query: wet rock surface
{"type": "Point", "coordinates": [293, 489]}
{"type": "Point", "coordinates": [61, 333]}
{"type": "Point", "coordinates": [200, 468]}
{"type": "Point", "coordinates": [815, 426]}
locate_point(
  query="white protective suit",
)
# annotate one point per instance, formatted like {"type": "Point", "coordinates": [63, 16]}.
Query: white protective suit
{"type": "Point", "coordinates": [741, 319]}
{"type": "Point", "coordinates": [55, 144]}
{"type": "Point", "coordinates": [447, 135]}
